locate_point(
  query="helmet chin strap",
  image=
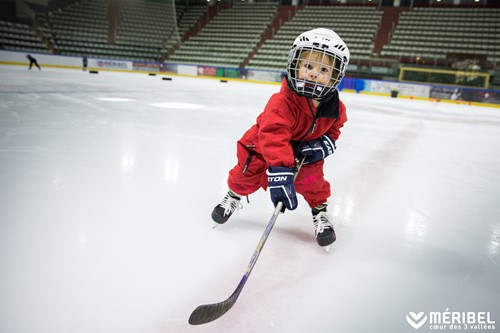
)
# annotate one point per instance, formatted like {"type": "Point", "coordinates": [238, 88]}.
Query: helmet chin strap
{"type": "Point", "coordinates": [310, 89]}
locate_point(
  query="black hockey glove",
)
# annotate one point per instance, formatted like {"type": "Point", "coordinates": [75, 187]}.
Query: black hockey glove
{"type": "Point", "coordinates": [316, 150]}
{"type": "Point", "coordinates": [281, 186]}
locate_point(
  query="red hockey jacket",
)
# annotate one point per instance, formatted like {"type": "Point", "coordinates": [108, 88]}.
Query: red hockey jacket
{"type": "Point", "coordinates": [288, 119]}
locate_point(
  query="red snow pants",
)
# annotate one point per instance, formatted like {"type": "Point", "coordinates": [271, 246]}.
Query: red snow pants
{"type": "Point", "coordinates": [310, 182]}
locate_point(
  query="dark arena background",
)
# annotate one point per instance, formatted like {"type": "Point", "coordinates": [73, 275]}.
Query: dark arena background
{"type": "Point", "coordinates": [433, 49]}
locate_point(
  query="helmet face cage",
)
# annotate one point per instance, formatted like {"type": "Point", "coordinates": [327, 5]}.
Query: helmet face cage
{"type": "Point", "coordinates": [316, 69]}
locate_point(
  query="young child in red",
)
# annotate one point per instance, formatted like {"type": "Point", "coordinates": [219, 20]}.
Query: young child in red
{"type": "Point", "coordinates": [303, 119]}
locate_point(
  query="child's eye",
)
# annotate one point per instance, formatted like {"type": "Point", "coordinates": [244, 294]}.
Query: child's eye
{"type": "Point", "coordinates": [325, 70]}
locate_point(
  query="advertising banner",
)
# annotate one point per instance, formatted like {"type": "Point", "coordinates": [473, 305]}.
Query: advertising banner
{"type": "Point", "coordinates": [446, 93]}
{"type": "Point", "coordinates": [207, 71]}
{"type": "Point", "coordinates": [234, 72]}
{"type": "Point", "coordinates": [110, 64]}
{"type": "Point", "coordinates": [168, 67]}
{"type": "Point", "coordinates": [145, 66]}
{"type": "Point", "coordinates": [416, 90]}
{"type": "Point", "coordinates": [187, 69]}
{"type": "Point", "coordinates": [270, 76]}
{"type": "Point", "coordinates": [481, 96]}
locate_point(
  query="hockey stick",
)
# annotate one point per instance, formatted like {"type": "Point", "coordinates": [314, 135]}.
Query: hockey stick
{"type": "Point", "coordinates": [206, 313]}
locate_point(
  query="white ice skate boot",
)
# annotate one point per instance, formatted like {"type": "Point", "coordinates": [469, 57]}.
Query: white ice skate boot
{"type": "Point", "coordinates": [223, 211]}
{"type": "Point", "coordinates": [325, 235]}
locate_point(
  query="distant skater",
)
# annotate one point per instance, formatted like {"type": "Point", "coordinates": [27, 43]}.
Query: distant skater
{"type": "Point", "coordinates": [85, 63]}
{"type": "Point", "coordinates": [33, 61]}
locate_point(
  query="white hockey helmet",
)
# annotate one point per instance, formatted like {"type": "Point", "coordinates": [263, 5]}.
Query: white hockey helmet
{"type": "Point", "coordinates": [331, 55]}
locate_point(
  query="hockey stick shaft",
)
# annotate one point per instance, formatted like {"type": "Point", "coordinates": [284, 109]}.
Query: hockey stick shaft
{"type": "Point", "coordinates": [206, 313]}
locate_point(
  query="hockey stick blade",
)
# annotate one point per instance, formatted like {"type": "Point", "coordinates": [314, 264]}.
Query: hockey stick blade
{"type": "Point", "coordinates": [209, 312]}
{"type": "Point", "coordinates": [206, 313]}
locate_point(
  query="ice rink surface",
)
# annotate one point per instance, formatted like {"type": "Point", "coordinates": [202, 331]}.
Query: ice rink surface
{"type": "Point", "coordinates": [107, 183]}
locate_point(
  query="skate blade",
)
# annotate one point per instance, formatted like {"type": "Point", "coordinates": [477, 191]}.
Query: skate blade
{"type": "Point", "coordinates": [327, 248]}
{"type": "Point", "coordinates": [215, 225]}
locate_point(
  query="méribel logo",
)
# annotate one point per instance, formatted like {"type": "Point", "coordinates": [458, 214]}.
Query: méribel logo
{"type": "Point", "coordinates": [416, 320]}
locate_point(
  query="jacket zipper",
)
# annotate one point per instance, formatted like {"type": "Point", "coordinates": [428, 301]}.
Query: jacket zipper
{"type": "Point", "coordinates": [313, 125]}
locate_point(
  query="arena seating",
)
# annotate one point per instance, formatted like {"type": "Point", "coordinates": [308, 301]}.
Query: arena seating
{"type": "Point", "coordinates": [145, 28]}
{"type": "Point", "coordinates": [189, 17]}
{"type": "Point", "coordinates": [356, 25]}
{"type": "Point", "coordinates": [229, 37]}
{"type": "Point", "coordinates": [79, 29]}
{"type": "Point", "coordinates": [19, 36]}
{"type": "Point", "coordinates": [435, 32]}
{"type": "Point", "coordinates": [143, 32]}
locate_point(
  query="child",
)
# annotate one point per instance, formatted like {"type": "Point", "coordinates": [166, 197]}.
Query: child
{"type": "Point", "coordinates": [303, 119]}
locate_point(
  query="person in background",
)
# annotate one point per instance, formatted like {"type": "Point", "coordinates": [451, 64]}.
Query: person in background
{"type": "Point", "coordinates": [303, 119]}
{"type": "Point", "coordinates": [33, 62]}
{"type": "Point", "coordinates": [85, 63]}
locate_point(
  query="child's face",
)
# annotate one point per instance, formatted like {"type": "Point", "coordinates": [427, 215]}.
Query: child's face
{"type": "Point", "coordinates": [316, 67]}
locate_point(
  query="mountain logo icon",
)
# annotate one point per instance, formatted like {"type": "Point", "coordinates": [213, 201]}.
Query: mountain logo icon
{"type": "Point", "coordinates": [416, 320]}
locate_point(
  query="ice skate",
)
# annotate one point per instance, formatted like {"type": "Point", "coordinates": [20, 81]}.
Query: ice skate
{"type": "Point", "coordinates": [223, 211]}
{"type": "Point", "coordinates": [325, 235]}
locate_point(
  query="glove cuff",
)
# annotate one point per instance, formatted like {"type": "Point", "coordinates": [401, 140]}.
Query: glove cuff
{"type": "Point", "coordinates": [329, 144]}
{"type": "Point", "coordinates": [277, 176]}
{"type": "Point", "coordinates": [274, 170]}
